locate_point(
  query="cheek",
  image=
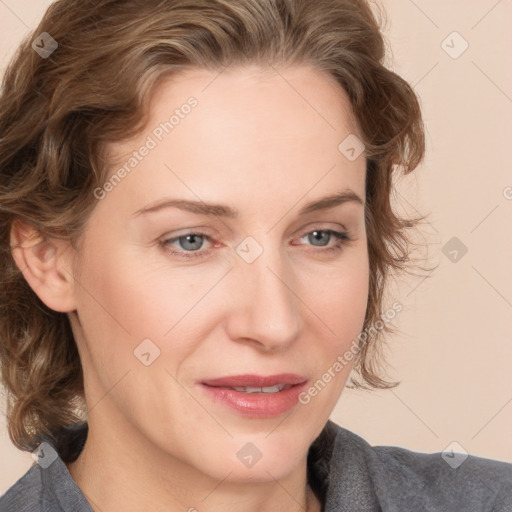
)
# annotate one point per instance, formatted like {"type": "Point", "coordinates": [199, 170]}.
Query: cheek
{"type": "Point", "coordinates": [119, 289]}
{"type": "Point", "coordinates": [342, 308]}
{"type": "Point", "coordinates": [340, 300]}
{"type": "Point", "coordinates": [125, 299]}
{"type": "Point", "coordinates": [341, 305]}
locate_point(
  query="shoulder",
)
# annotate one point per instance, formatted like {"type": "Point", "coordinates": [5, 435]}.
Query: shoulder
{"type": "Point", "coordinates": [48, 486]}
{"type": "Point", "coordinates": [400, 479]}
{"type": "Point", "coordinates": [464, 481]}
{"type": "Point", "coordinates": [26, 494]}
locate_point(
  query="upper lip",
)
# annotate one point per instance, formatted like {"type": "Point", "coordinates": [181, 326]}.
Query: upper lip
{"type": "Point", "coordinates": [258, 381]}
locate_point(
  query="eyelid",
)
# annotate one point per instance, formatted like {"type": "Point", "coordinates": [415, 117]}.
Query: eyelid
{"type": "Point", "coordinates": [341, 236]}
{"type": "Point", "coordinates": [205, 231]}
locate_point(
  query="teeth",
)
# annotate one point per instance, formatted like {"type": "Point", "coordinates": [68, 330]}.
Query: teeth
{"type": "Point", "coordinates": [268, 389]}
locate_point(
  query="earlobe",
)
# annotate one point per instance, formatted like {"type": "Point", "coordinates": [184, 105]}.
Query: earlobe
{"type": "Point", "coordinates": [45, 264]}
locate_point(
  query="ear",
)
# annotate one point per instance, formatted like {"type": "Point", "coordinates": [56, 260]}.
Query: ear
{"type": "Point", "coordinates": [46, 265]}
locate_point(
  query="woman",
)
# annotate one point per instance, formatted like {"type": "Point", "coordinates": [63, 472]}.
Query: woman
{"type": "Point", "coordinates": [196, 234]}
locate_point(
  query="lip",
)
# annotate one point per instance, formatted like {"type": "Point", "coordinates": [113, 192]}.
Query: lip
{"type": "Point", "coordinates": [255, 405]}
{"type": "Point", "coordinates": [255, 380]}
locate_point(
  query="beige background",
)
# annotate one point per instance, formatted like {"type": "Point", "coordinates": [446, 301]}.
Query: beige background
{"type": "Point", "coordinates": [454, 352]}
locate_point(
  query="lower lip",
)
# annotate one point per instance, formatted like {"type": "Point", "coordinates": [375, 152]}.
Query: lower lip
{"type": "Point", "coordinates": [257, 405]}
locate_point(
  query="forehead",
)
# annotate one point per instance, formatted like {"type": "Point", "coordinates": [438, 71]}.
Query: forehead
{"type": "Point", "coordinates": [267, 94]}
{"type": "Point", "coordinates": [251, 130]}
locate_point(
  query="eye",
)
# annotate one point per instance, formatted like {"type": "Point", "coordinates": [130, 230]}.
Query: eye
{"type": "Point", "coordinates": [189, 242]}
{"type": "Point", "coordinates": [324, 236]}
{"type": "Point", "coordinates": [189, 245]}
{"type": "Point", "coordinates": [319, 236]}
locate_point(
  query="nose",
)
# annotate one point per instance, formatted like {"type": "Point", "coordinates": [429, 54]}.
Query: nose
{"type": "Point", "coordinates": [264, 306]}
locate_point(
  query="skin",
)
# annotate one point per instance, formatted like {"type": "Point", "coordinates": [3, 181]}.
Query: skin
{"type": "Point", "coordinates": [265, 146]}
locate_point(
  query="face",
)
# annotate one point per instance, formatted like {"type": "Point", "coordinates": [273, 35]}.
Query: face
{"type": "Point", "coordinates": [179, 303]}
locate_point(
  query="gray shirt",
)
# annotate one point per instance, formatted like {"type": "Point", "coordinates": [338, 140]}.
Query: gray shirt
{"type": "Point", "coordinates": [346, 473]}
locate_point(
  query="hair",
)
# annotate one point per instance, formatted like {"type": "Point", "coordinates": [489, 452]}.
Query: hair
{"type": "Point", "coordinates": [58, 113]}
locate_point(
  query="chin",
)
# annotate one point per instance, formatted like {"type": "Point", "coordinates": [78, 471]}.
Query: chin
{"type": "Point", "coordinates": [267, 456]}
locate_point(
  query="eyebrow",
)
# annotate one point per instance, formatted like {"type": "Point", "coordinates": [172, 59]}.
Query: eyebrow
{"type": "Point", "coordinates": [220, 210]}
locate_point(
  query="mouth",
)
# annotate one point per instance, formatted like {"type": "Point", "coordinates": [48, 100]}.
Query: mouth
{"type": "Point", "coordinates": [254, 389]}
{"type": "Point", "coordinates": [256, 395]}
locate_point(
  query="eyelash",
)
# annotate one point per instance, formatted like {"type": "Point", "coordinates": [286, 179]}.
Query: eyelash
{"type": "Point", "coordinates": [342, 239]}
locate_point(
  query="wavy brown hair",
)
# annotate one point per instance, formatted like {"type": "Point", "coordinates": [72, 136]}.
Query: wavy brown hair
{"type": "Point", "coordinates": [58, 113]}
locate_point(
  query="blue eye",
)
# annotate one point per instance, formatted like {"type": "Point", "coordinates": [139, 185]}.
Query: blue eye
{"type": "Point", "coordinates": [325, 235]}
{"type": "Point", "coordinates": [190, 244]}
{"type": "Point", "coordinates": [191, 241]}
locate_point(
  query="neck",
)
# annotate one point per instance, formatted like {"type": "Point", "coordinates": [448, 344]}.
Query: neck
{"type": "Point", "coordinates": [120, 470]}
